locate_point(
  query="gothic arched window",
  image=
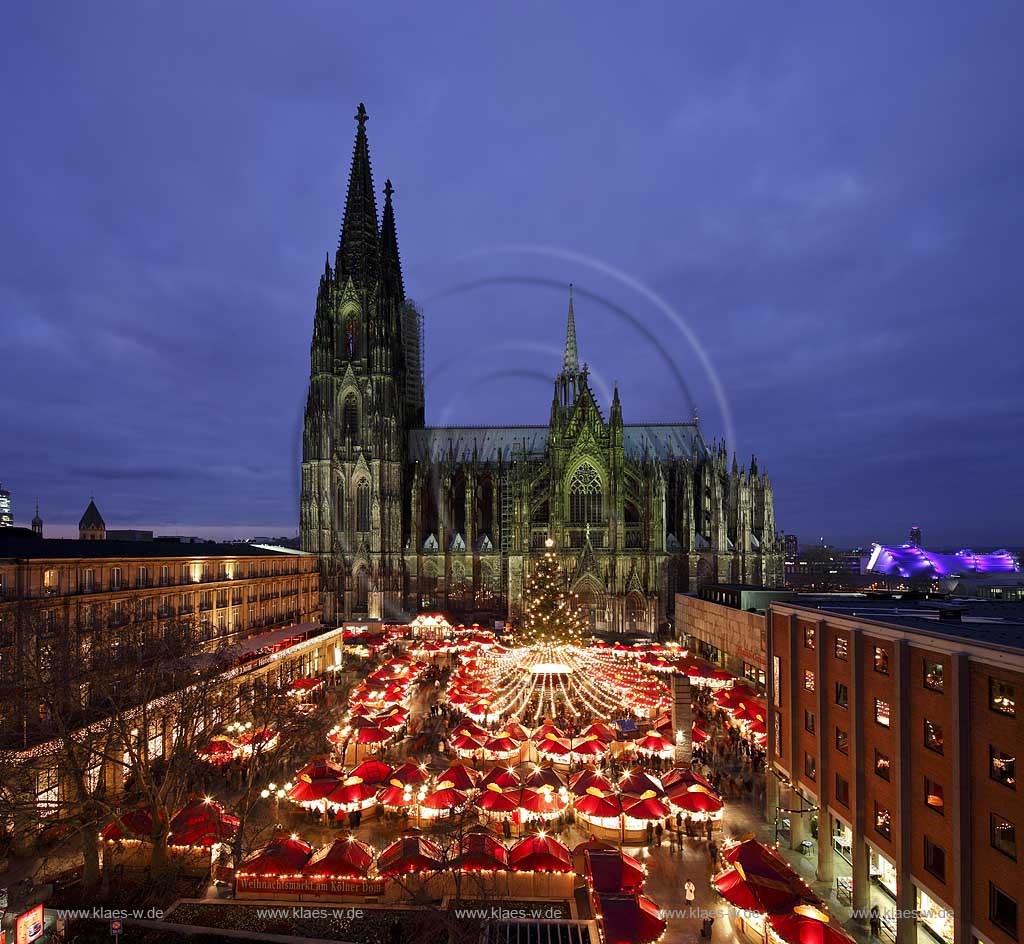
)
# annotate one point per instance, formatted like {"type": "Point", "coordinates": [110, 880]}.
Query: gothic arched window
{"type": "Point", "coordinates": [362, 582]}
{"type": "Point", "coordinates": [350, 417]}
{"type": "Point", "coordinates": [585, 498]}
{"type": "Point", "coordinates": [350, 335]}
{"type": "Point", "coordinates": [340, 520]}
{"type": "Point", "coordinates": [363, 506]}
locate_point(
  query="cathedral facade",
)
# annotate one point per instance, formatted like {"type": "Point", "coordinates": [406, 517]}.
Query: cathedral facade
{"type": "Point", "coordinates": [406, 518]}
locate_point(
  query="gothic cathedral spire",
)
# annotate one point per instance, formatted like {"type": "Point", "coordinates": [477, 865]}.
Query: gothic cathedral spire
{"type": "Point", "coordinates": [391, 264]}
{"type": "Point", "coordinates": [358, 249]}
{"type": "Point", "coordinates": [571, 358]}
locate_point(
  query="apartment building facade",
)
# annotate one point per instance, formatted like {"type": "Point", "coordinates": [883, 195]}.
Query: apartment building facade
{"type": "Point", "coordinates": [894, 741]}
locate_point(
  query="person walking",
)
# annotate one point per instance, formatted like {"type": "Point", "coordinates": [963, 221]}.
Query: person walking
{"type": "Point", "coordinates": [650, 833]}
{"type": "Point", "coordinates": [658, 831]}
{"type": "Point", "coordinates": [709, 828]}
{"type": "Point", "coordinates": [705, 927]}
{"type": "Point", "coordinates": [875, 921]}
{"type": "Point", "coordinates": [691, 891]}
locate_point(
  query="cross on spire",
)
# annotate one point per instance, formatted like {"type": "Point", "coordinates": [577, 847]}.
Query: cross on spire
{"type": "Point", "coordinates": [361, 115]}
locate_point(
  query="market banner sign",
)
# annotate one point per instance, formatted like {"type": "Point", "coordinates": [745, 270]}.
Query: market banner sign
{"type": "Point", "coordinates": [303, 886]}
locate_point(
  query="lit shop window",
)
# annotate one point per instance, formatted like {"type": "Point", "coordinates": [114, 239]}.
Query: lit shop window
{"type": "Point", "coordinates": [933, 736]}
{"type": "Point", "coordinates": [1002, 767]}
{"type": "Point", "coordinates": [933, 796]}
{"type": "Point", "coordinates": [881, 660]}
{"type": "Point", "coordinates": [933, 676]}
{"type": "Point", "coordinates": [883, 822]}
{"type": "Point", "coordinates": [808, 680]}
{"type": "Point", "coordinates": [882, 712]}
{"type": "Point", "coordinates": [1002, 698]}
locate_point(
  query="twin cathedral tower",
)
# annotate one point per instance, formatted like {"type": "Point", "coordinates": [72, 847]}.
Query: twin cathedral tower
{"type": "Point", "coordinates": [406, 517]}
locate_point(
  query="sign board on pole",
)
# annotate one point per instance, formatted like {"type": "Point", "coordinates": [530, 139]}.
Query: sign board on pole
{"type": "Point", "coordinates": [29, 926]}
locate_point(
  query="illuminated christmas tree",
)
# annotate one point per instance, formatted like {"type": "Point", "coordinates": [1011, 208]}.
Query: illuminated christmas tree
{"type": "Point", "coordinates": [551, 613]}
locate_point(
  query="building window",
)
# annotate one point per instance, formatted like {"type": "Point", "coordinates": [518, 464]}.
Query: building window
{"type": "Point", "coordinates": [933, 676]}
{"type": "Point", "coordinates": [883, 822]}
{"type": "Point", "coordinates": [933, 798]}
{"type": "Point", "coordinates": [809, 721]}
{"type": "Point", "coordinates": [1003, 835]}
{"type": "Point", "coordinates": [935, 859]}
{"type": "Point", "coordinates": [115, 578]}
{"type": "Point", "coordinates": [809, 637]}
{"type": "Point", "coordinates": [1002, 910]}
{"type": "Point", "coordinates": [51, 581]}
{"type": "Point", "coordinates": [933, 736]}
{"type": "Point", "coordinates": [842, 695]}
{"type": "Point", "coordinates": [585, 498]}
{"type": "Point", "coordinates": [808, 680]}
{"type": "Point", "coordinates": [882, 712]}
{"type": "Point", "coordinates": [882, 765]}
{"type": "Point", "coordinates": [842, 791]}
{"type": "Point", "coordinates": [88, 580]}
{"type": "Point", "coordinates": [842, 741]}
{"type": "Point", "coordinates": [810, 767]}
{"type": "Point", "coordinates": [47, 791]}
{"type": "Point", "coordinates": [363, 506]}
{"type": "Point", "coordinates": [1002, 767]}
{"type": "Point", "coordinates": [842, 649]}
{"type": "Point", "coordinates": [1002, 698]}
{"type": "Point", "coordinates": [881, 660]}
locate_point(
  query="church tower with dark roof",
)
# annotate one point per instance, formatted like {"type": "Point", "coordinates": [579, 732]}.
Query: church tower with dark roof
{"type": "Point", "coordinates": [92, 527]}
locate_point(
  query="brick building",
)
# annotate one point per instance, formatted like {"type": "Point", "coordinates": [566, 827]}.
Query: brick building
{"type": "Point", "coordinates": [894, 739]}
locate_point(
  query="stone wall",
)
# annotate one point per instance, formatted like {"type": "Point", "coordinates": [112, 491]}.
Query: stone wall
{"type": "Point", "coordinates": [737, 634]}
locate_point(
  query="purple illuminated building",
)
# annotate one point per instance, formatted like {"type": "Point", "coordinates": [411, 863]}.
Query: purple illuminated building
{"type": "Point", "coordinates": [909, 561]}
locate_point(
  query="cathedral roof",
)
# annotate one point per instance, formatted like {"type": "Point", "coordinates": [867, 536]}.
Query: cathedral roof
{"type": "Point", "coordinates": [653, 440]}
{"type": "Point", "coordinates": [663, 440]}
{"type": "Point", "coordinates": [490, 442]}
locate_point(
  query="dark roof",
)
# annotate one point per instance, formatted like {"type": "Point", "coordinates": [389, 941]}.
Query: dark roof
{"type": "Point", "coordinates": [92, 517]}
{"type": "Point", "coordinates": [653, 440]}
{"type": "Point", "coordinates": [983, 622]}
{"type": "Point", "coordinates": [35, 548]}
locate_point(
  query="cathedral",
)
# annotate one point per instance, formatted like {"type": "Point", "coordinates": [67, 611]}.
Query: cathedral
{"type": "Point", "coordinates": [407, 517]}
